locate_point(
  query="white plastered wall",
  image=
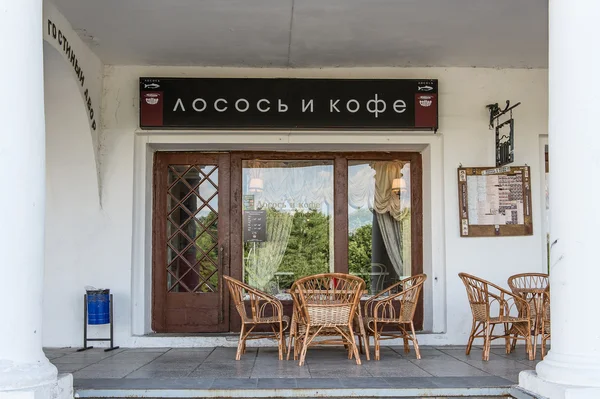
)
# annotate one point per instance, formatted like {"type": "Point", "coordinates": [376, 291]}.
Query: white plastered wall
{"type": "Point", "coordinates": [86, 69]}
{"type": "Point", "coordinates": [124, 230]}
{"type": "Point", "coordinates": [85, 244]}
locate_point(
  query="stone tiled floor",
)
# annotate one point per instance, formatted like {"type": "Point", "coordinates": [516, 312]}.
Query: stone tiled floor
{"type": "Point", "coordinates": [262, 363]}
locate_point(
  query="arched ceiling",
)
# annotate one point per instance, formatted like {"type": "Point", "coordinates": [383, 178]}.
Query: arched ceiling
{"type": "Point", "coordinates": [314, 33]}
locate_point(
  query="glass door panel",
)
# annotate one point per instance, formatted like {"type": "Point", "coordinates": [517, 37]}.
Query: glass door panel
{"type": "Point", "coordinates": [379, 222]}
{"type": "Point", "coordinates": [287, 221]}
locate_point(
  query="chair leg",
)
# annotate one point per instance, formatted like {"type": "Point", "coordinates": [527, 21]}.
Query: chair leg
{"type": "Point", "coordinates": [304, 347]}
{"type": "Point", "coordinates": [376, 337]}
{"type": "Point", "coordinates": [534, 343]}
{"type": "Point", "coordinates": [299, 346]}
{"type": "Point", "coordinates": [281, 341]}
{"type": "Point", "coordinates": [471, 337]}
{"type": "Point", "coordinates": [348, 348]}
{"type": "Point", "coordinates": [353, 343]}
{"type": "Point", "coordinates": [543, 349]}
{"type": "Point", "coordinates": [289, 344]}
{"type": "Point", "coordinates": [405, 339]}
{"type": "Point", "coordinates": [293, 337]}
{"type": "Point", "coordinates": [241, 342]}
{"type": "Point", "coordinates": [507, 338]}
{"type": "Point", "coordinates": [367, 350]}
{"type": "Point", "coordinates": [363, 333]}
{"type": "Point", "coordinates": [360, 345]}
{"type": "Point", "coordinates": [367, 345]}
{"type": "Point", "coordinates": [486, 342]}
{"type": "Point", "coordinates": [415, 342]}
{"type": "Point", "coordinates": [530, 350]}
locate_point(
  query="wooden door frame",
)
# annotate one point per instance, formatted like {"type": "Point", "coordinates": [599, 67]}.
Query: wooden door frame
{"type": "Point", "coordinates": [340, 168]}
{"type": "Point", "coordinates": [159, 230]}
{"type": "Point", "coordinates": [232, 256]}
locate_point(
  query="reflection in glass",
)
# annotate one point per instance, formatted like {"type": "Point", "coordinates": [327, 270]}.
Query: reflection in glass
{"type": "Point", "coordinates": [287, 221]}
{"type": "Point", "coordinates": [379, 222]}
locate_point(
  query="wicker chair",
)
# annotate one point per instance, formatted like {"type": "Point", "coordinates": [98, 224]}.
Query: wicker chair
{"type": "Point", "coordinates": [381, 310]}
{"type": "Point", "coordinates": [264, 309]}
{"type": "Point", "coordinates": [545, 320]}
{"type": "Point", "coordinates": [325, 305]}
{"type": "Point", "coordinates": [530, 286]}
{"type": "Point", "coordinates": [509, 309]}
{"type": "Point", "coordinates": [378, 279]}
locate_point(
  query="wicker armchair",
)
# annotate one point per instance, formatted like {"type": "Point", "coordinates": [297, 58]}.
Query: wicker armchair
{"type": "Point", "coordinates": [509, 310]}
{"type": "Point", "coordinates": [397, 309]}
{"type": "Point", "coordinates": [530, 287]}
{"type": "Point", "coordinates": [545, 320]}
{"type": "Point", "coordinates": [379, 272]}
{"type": "Point", "coordinates": [264, 309]}
{"type": "Point", "coordinates": [325, 305]}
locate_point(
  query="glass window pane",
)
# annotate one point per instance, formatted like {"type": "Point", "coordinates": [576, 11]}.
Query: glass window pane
{"type": "Point", "coordinates": [379, 222]}
{"type": "Point", "coordinates": [287, 221]}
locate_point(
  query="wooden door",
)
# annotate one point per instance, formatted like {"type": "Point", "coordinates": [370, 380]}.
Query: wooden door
{"type": "Point", "coordinates": [190, 242]}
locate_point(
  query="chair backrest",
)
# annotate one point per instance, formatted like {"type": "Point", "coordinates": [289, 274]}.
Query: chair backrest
{"type": "Point", "coordinates": [412, 281]}
{"type": "Point", "coordinates": [478, 295]}
{"type": "Point", "coordinates": [260, 302]}
{"type": "Point", "coordinates": [530, 287]}
{"type": "Point", "coordinates": [327, 299]}
{"type": "Point", "coordinates": [377, 280]}
{"type": "Point", "coordinates": [527, 281]}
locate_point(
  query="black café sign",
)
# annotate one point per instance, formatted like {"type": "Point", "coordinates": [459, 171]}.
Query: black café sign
{"type": "Point", "coordinates": [188, 103]}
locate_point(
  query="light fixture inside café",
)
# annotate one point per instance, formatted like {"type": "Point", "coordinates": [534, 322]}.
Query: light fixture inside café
{"type": "Point", "coordinates": [256, 185]}
{"type": "Point", "coordinates": [398, 184]}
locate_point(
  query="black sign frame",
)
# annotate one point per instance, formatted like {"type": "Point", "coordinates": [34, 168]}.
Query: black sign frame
{"type": "Point", "coordinates": [286, 103]}
{"type": "Point", "coordinates": [255, 225]}
{"type": "Point", "coordinates": [505, 143]}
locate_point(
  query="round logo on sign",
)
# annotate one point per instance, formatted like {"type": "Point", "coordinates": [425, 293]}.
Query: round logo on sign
{"type": "Point", "coordinates": [151, 98]}
{"type": "Point", "coordinates": [425, 101]}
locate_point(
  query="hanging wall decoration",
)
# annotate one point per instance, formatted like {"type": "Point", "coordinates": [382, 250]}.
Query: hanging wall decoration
{"type": "Point", "coordinates": [505, 144]}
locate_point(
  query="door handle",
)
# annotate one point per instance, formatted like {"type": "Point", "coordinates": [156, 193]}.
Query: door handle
{"type": "Point", "coordinates": [220, 263]}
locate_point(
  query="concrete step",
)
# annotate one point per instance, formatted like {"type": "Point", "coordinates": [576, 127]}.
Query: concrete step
{"type": "Point", "coordinates": [372, 387]}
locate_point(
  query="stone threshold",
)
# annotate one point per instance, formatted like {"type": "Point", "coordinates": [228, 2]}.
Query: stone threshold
{"type": "Point", "coordinates": [369, 387]}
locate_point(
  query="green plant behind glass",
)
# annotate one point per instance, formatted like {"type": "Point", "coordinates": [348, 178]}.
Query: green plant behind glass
{"type": "Point", "coordinates": [307, 252]}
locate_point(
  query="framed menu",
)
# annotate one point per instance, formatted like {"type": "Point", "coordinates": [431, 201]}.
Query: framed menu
{"type": "Point", "coordinates": [495, 201]}
{"type": "Point", "coordinates": [255, 226]}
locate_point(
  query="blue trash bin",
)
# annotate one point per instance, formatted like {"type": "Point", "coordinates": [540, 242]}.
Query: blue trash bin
{"type": "Point", "coordinates": [98, 306]}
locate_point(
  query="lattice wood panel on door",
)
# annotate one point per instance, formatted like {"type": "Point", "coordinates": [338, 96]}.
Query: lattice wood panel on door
{"type": "Point", "coordinates": [192, 219]}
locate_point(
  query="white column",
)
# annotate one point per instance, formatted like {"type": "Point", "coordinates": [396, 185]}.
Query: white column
{"type": "Point", "coordinates": [572, 366]}
{"type": "Point", "coordinates": [23, 365]}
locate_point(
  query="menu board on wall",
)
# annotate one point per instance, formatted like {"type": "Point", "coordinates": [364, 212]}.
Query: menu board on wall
{"type": "Point", "coordinates": [495, 201]}
{"type": "Point", "coordinates": [255, 226]}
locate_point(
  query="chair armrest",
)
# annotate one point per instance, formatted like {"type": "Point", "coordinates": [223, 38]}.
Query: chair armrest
{"type": "Point", "coordinates": [384, 308]}
{"type": "Point", "coordinates": [261, 301]}
{"type": "Point", "coordinates": [509, 302]}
